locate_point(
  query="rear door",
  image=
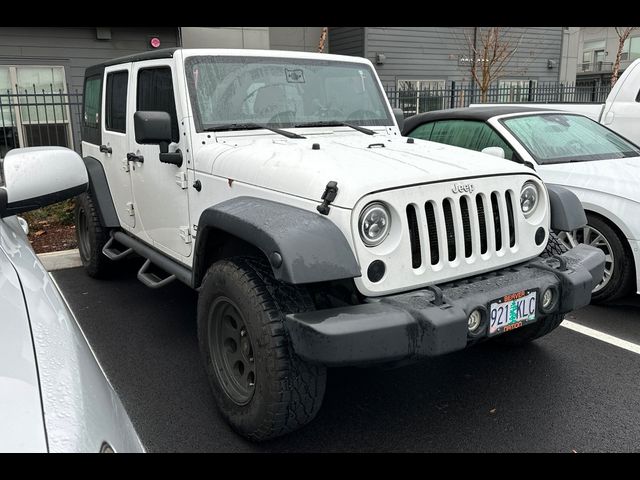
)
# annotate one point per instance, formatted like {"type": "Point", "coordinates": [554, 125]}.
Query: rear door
{"type": "Point", "coordinates": [116, 127]}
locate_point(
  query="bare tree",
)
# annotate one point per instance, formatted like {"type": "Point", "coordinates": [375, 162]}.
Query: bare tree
{"type": "Point", "coordinates": [623, 35]}
{"type": "Point", "coordinates": [323, 39]}
{"type": "Point", "coordinates": [490, 49]}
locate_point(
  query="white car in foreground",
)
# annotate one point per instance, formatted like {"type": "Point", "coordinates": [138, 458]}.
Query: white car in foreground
{"type": "Point", "coordinates": [54, 396]}
{"type": "Point", "coordinates": [597, 164]}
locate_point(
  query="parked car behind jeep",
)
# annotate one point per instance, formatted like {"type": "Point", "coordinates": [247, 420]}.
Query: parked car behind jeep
{"type": "Point", "coordinates": [278, 185]}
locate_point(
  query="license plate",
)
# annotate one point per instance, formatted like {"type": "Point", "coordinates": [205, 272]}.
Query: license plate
{"type": "Point", "coordinates": [512, 311]}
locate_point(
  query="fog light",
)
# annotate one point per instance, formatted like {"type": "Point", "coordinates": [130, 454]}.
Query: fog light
{"type": "Point", "coordinates": [376, 270]}
{"type": "Point", "coordinates": [475, 320]}
{"type": "Point", "coordinates": [549, 298]}
{"type": "Point", "coordinates": [540, 236]}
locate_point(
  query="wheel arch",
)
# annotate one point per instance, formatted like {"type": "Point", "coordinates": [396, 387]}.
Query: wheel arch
{"type": "Point", "coordinates": [300, 246]}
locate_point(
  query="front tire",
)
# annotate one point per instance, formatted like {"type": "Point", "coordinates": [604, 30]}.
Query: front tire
{"type": "Point", "coordinates": [91, 237]}
{"type": "Point", "coordinates": [262, 389]}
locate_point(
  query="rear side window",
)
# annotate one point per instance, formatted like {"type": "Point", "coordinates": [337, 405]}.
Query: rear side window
{"type": "Point", "coordinates": [91, 109]}
{"type": "Point", "coordinates": [116, 102]}
{"type": "Point", "coordinates": [155, 94]}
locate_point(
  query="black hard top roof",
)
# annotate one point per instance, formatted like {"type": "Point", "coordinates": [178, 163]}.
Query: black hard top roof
{"type": "Point", "coordinates": [136, 57]}
{"type": "Point", "coordinates": [475, 113]}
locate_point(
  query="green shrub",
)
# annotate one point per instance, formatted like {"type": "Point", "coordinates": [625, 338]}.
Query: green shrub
{"type": "Point", "coordinates": [59, 213]}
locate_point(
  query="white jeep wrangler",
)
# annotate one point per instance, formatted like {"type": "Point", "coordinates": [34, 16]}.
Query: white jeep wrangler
{"type": "Point", "coordinates": [278, 185]}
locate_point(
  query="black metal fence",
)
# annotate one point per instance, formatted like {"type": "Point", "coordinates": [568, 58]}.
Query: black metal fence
{"type": "Point", "coordinates": [456, 95]}
{"type": "Point", "coordinates": [44, 116]}
{"type": "Point", "coordinates": [39, 117]}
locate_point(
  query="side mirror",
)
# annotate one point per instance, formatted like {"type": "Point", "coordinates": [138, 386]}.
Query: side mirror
{"type": "Point", "coordinates": [154, 128]}
{"type": "Point", "coordinates": [399, 114]}
{"type": "Point", "coordinates": [495, 151]}
{"type": "Point", "coordinates": [35, 177]}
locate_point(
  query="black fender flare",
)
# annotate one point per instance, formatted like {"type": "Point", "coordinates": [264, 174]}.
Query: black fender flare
{"type": "Point", "coordinates": [99, 189]}
{"type": "Point", "coordinates": [567, 212]}
{"type": "Point", "coordinates": [301, 246]}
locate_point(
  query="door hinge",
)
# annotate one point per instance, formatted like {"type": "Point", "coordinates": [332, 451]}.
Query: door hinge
{"type": "Point", "coordinates": [185, 235]}
{"type": "Point", "coordinates": [125, 165]}
{"type": "Point", "coordinates": [181, 180]}
{"type": "Point", "coordinates": [130, 209]}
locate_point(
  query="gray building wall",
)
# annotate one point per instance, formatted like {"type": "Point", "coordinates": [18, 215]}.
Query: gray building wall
{"type": "Point", "coordinates": [225, 37]}
{"type": "Point", "coordinates": [76, 48]}
{"type": "Point", "coordinates": [347, 41]}
{"type": "Point", "coordinates": [304, 39]}
{"type": "Point", "coordinates": [432, 53]}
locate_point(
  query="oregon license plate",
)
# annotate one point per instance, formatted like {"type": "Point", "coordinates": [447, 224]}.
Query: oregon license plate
{"type": "Point", "coordinates": [512, 311]}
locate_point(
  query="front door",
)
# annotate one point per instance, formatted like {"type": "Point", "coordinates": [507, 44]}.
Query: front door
{"type": "Point", "coordinates": [159, 189]}
{"type": "Point", "coordinates": [116, 129]}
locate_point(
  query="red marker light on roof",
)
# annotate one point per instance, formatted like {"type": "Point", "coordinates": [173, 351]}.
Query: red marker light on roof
{"type": "Point", "coordinates": [155, 42]}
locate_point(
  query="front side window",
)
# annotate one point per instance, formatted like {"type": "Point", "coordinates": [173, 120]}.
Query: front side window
{"type": "Point", "coordinates": [561, 138]}
{"type": "Point", "coordinates": [155, 94]}
{"type": "Point", "coordinates": [116, 102]}
{"type": "Point", "coordinates": [229, 92]}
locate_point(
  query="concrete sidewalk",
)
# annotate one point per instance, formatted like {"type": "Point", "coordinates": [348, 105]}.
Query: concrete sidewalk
{"type": "Point", "coordinates": [61, 260]}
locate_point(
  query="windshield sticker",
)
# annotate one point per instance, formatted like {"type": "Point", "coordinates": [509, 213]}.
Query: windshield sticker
{"type": "Point", "coordinates": [294, 76]}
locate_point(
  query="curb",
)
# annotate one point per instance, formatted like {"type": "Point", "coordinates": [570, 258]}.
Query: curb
{"type": "Point", "coordinates": [60, 260]}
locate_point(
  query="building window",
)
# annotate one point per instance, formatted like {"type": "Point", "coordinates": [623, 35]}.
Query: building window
{"type": "Point", "coordinates": [631, 49]}
{"type": "Point", "coordinates": [116, 102]}
{"type": "Point", "coordinates": [34, 107]}
{"type": "Point", "coordinates": [516, 90]}
{"type": "Point", "coordinates": [416, 96]}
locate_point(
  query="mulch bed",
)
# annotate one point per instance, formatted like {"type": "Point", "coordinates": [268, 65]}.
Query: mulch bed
{"type": "Point", "coordinates": [52, 237]}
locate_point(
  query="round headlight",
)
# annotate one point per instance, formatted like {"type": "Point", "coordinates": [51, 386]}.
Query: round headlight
{"type": "Point", "coordinates": [374, 224]}
{"type": "Point", "coordinates": [529, 198]}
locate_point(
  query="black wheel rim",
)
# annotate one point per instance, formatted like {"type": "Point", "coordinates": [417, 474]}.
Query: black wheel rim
{"type": "Point", "coordinates": [83, 235]}
{"type": "Point", "coordinates": [231, 351]}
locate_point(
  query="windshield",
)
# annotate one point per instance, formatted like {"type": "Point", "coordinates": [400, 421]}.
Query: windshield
{"type": "Point", "coordinates": [561, 138]}
{"type": "Point", "coordinates": [282, 92]}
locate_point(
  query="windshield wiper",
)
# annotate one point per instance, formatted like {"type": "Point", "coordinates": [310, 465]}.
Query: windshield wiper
{"type": "Point", "coordinates": [336, 123]}
{"type": "Point", "coordinates": [251, 126]}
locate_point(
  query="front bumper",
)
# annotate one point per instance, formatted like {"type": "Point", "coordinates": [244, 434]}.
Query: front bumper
{"type": "Point", "coordinates": [433, 321]}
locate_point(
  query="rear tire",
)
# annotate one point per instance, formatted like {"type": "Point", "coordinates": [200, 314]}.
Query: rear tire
{"type": "Point", "coordinates": [262, 389]}
{"type": "Point", "coordinates": [91, 237]}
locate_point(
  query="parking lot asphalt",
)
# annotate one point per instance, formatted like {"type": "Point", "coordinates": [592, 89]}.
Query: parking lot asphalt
{"type": "Point", "coordinates": [565, 392]}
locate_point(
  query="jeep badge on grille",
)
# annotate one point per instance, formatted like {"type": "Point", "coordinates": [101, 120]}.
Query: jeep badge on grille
{"type": "Point", "coordinates": [463, 187]}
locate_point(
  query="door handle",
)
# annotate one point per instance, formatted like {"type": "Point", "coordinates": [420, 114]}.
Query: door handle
{"type": "Point", "coordinates": [132, 157]}
{"type": "Point", "coordinates": [105, 149]}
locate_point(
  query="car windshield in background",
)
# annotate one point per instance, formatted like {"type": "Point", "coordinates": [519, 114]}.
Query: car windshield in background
{"type": "Point", "coordinates": [229, 92]}
{"type": "Point", "coordinates": [560, 138]}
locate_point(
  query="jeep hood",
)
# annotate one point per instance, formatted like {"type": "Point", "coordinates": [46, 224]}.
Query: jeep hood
{"type": "Point", "coordinates": [360, 163]}
{"type": "Point", "coordinates": [617, 177]}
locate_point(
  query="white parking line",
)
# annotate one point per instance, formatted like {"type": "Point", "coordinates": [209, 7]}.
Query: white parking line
{"type": "Point", "coordinates": [618, 342]}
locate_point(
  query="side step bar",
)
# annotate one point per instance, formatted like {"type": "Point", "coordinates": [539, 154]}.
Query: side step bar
{"type": "Point", "coordinates": [112, 253]}
{"type": "Point", "coordinates": [175, 270]}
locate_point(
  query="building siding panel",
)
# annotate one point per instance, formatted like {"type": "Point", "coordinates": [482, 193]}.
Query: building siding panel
{"type": "Point", "coordinates": [347, 41]}
{"type": "Point", "coordinates": [433, 53]}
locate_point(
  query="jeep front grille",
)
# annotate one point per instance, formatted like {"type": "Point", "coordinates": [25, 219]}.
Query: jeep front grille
{"type": "Point", "coordinates": [455, 230]}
